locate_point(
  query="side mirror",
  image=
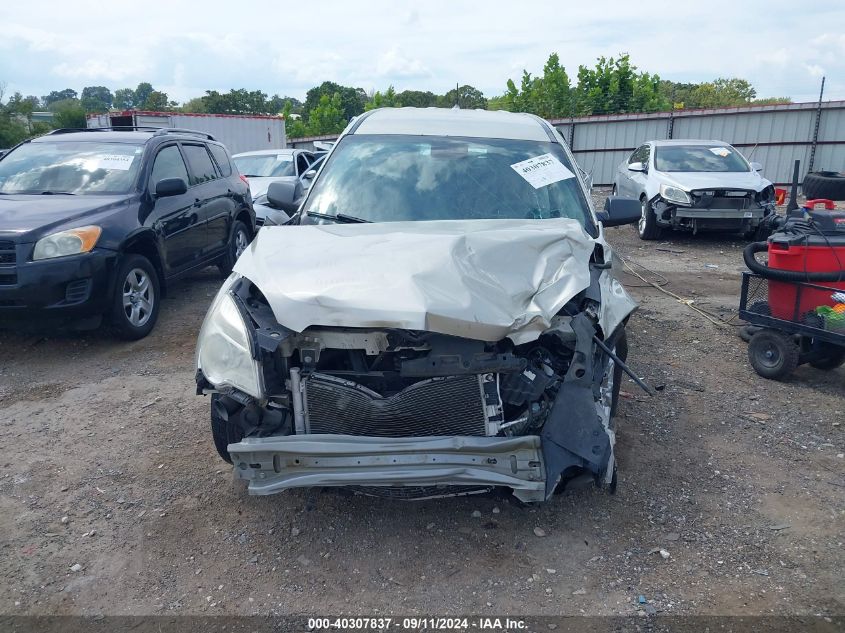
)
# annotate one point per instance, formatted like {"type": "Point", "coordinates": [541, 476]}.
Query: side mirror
{"type": "Point", "coordinates": [619, 211]}
{"type": "Point", "coordinates": [309, 175]}
{"type": "Point", "coordinates": [171, 187]}
{"type": "Point", "coordinates": [636, 166]}
{"type": "Point", "coordinates": [285, 193]}
{"type": "Point", "coordinates": [756, 167]}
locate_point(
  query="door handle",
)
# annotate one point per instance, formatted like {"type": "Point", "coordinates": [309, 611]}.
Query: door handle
{"type": "Point", "coordinates": [197, 202]}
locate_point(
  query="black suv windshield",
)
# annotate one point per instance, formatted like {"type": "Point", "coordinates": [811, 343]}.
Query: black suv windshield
{"type": "Point", "coordinates": [699, 158]}
{"type": "Point", "coordinates": [390, 178]}
{"type": "Point", "coordinates": [77, 167]}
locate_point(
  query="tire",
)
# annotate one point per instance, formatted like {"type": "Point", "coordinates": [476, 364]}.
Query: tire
{"type": "Point", "coordinates": [772, 354]}
{"type": "Point", "coordinates": [829, 185]}
{"type": "Point", "coordinates": [648, 228]}
{"type": "Point", "coordinates": [833, 359]}
{"type": "Point", "coordinates": [137, 294]}
{"type": "Point", "coordinates": [223, 431]}
{"type": "Point", "coordinates": [760, 307]}
{"type": "Point", "coordinates": [238, 241]}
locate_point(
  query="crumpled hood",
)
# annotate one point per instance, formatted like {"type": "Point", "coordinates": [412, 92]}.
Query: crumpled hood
{"type": "Point", "coordinates": [480, 279]}
{"type": "Point", "coordinates": [714, 180]}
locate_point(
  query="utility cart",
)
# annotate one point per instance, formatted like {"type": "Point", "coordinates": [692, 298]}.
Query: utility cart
{"type": "Point", "coordinates": [793, 323]}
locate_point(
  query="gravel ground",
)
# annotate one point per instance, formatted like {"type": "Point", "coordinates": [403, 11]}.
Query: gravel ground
{"type": "Point", "coordinates": [113, 500]}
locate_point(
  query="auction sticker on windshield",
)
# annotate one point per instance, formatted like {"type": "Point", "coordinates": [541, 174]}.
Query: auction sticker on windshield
{"type": "Point", "coordinates": [541, 171]}
{"type": "Point", "coordinates": [115, 161]}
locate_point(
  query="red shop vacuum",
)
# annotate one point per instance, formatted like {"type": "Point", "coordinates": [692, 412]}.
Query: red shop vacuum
{"type": "Point", "coordinates": [809, 247]}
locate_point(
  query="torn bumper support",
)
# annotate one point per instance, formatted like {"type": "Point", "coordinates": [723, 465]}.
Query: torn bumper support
{"type": "Point", "coordinates": [271, 464]}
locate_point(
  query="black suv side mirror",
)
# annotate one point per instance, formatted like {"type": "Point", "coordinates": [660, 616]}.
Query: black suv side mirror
{"type": "Point", "coordinates": [171, 187]}
{"type": "Point", "coordinates": [285, 193]}
{"type": "Point", "coordinates": [619, 211]}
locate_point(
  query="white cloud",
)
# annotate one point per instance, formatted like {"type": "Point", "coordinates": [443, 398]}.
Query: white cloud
{"type": "Point", "coordinates": [393, 64]}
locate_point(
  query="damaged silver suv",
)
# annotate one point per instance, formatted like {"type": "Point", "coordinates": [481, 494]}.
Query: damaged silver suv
{"type": "Point", "coordinates": [440, 317]}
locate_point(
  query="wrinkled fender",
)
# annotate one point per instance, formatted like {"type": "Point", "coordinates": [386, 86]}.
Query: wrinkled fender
{"type": "Point", "coordinates": [616, 304]}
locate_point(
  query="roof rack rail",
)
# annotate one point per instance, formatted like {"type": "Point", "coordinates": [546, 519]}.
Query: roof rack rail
{"type": "Point", "coordinates": [112, 128]}
{"type": "Point", "coordinates": [179, 130]}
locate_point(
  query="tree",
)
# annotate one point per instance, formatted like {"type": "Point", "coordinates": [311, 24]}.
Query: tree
{"type": "Point", "coordinates": [68, 113]}
{"type": "Point", "coordinates": [157, 101]}
{"type": "Point", "coordinates": [417, 98]}
{"type": "Point", "coordinates": [353, 100]}
{"type": "Point", "coordinates": [386, 100]}
{"type": "Point", "coordinates": [465, 97]}
{"type": "Point", "coordinates": [96, 99]}
{"type": "Point", "coordinates": [196, 105]}
{"type": "Point", "coordinates": [124, 99]}
{"type": "Point", "coordinates": [142, 93]}
{"type": "Point", "coordinates": [58, 95]}
{"type": "Point", "coordinates": [327, 117]}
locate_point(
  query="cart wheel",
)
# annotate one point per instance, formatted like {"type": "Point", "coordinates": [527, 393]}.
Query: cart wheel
{"type": "Point", "coordinates": [773, 354]}
{"type": "Point", "coordinates": [833, 359]}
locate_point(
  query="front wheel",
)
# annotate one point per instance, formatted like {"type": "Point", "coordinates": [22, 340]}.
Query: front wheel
{"type": "Point", "coordinates": [773, 354]}
{"type": "Point", "coordinates": [136, 298]}
{"type": "Point", "coordinates": [238, 243]}
{"type": "Point", "coordinates": [647, 227]}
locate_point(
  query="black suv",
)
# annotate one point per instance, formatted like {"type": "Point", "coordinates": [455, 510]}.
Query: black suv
{"type": "Point", "coordinates": [96, 223]}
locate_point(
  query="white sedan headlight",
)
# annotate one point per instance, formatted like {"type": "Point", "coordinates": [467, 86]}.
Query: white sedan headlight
{"type": "Point", "coordinates": [674, 194]}
{"type": "Point", "coordinates": [70, 242]}
{"type": "Point", "coordinates": [224, 347]}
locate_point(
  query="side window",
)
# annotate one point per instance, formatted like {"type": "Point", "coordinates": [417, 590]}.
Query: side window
{"type": "Point", "coordinates": [301, 164]}
{"type": "Point", "coordinates": [645, 155]}
{"type": "Point", "coordinates": [168, 164]}
{"type": "Point", "coordinates": [202, 169]}
{"type": "Point", "coordinates": [639, 153]}
{"type": "Point", "coordinates": [221, 157]}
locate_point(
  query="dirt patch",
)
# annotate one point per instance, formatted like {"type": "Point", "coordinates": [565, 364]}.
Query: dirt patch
{"type": "Point", "coordinates": [109, 464]}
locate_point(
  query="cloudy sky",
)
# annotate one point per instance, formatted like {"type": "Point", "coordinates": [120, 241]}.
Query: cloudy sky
{"type": "Point", "coordinates": [782, 47]}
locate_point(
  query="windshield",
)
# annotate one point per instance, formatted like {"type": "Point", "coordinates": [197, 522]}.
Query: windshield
{"type": "Point", "coordinates": [390, 178]}
{"type": "Point", "coordinates": [265, 165]}
{"type": "Point", "coordinates": [78, 167]}
{"type": "Point", "coordinates": [699, 158]}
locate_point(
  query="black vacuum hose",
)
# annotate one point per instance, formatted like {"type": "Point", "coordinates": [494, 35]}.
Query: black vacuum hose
{"type": "Point", "coordinates": [783, 275]}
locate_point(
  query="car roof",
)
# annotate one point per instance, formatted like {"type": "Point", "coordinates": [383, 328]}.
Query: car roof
{"type": "Point", "coordinates": [690, 141]}
{"type": "Point", "coordinates": [453, 122]}
{"type": "Point", "coordinates": [266, 152]}
{"type": "Point", "coordinates": [96, 136]}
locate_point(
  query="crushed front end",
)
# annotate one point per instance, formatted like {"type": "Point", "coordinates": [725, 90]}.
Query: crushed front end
{"type": "Point", "coordinates": [412, 413]}
{"type": "Point", "coordinates": [725, 209]}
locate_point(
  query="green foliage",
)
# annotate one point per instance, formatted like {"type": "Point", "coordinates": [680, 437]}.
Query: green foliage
{"type": "Point", "coordinates": [124, 99]}
{"type": "Point", "coordinates": [96, 99]}
{"type": "Point", "coordinates": [465, 97]}
{"type": "Point", "coordinates": [240, 101]}
{"type": "Point", "coordinates": [386, 100]}
{"type": "Point", "coordinates": [68, 113]}
{"type": "Point", "coordinates": [58, 95]}
{"type": "Point", "coordinates": [719, 93]}
{"type": "Point", "coordinates": [142, 93]}
{"type": "Point", "coordinates": [352, 100]}
{"type": "Point", "coordinates": [327, 117]}
{"type": "Point", "coordinates": [417, 98]}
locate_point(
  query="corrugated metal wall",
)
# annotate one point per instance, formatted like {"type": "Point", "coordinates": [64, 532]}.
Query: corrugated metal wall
{"type": "Point", "coordinates": [774, 136]}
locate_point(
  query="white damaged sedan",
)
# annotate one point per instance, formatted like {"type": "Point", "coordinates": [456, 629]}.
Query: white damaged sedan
{"type": "Point", "coordinates": [694, 186]}
{"type": "Point", "coordinates": [442, 316]}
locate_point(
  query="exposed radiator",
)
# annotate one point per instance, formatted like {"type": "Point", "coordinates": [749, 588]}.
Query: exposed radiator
{"type": "Point", "coordinates": [452, 405]}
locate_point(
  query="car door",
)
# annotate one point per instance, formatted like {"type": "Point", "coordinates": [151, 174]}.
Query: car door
{"type": "Point", "coordinates": [211, 197]}
{"type": "Point", "coordinates": [628, 180]}
{"type": "Point", "coordinates": [175, 218]}
{"type": "Point", "coordinates": [220, 222]}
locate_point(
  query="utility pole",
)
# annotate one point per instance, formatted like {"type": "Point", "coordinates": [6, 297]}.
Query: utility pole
{"type": "Point", "coordinates": [816, 130]}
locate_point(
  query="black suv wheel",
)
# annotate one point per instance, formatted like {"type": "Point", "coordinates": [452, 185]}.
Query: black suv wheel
{"type": "Point", "coordinates": [136, 298]}
{"type": "Point", "coordinates": [238, 242]}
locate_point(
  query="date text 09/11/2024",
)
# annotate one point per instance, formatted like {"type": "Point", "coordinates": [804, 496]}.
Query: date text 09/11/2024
{"type": "Point", "coordinates": [416, 624]}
